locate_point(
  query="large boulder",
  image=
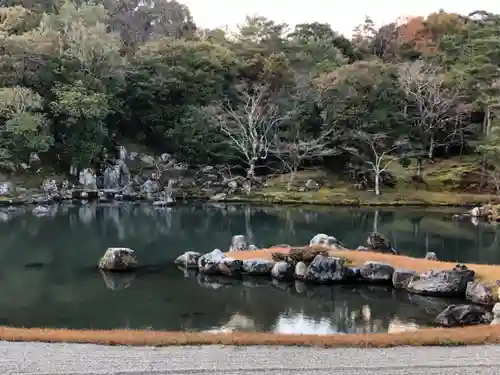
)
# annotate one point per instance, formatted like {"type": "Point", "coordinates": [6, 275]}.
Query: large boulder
{"type": "Point", "coordinates": [188, 260]}
{"type": "Point", "coordinates": [322, 239]}
{"type": "Point", "coordinates": [88, 179]}
{"type": "Point", "coordinates": [377, 272]}
{"type": "Point", "coordinates": [238, 243]}
{"type": "Point", "coordinates": [209, 263]}
{"type": "Point", "coordinates": [378, 243]}
{"type": "Point", "coordinates": [444, 283]}
{"type": "Point", "coordinates": [118, 259]}
{"type": "Point", "coordinates": [50, 187]}
{"type": "Point", "coordinates": [282, 271]}
{"type": "Point", "coordinates": [461, 315]}
{"type": "Point", "coordinates": [325, 270]}
{"type": "Point", "coordinates": [481, 293]}
{"type": "Point", "coordinates": [401, 278]}
{"type": "Point", "coordinates": [257, 267]}
{"type": "Point", "coordinates": [431, 256]}
{"type": "Point", "coordinates": [230, 267]}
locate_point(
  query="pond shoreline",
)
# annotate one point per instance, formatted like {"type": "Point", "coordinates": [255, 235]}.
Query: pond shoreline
{"type": "Point", "coordinates": [424, 337]}
{"type": "Point", "coordinates": [335, 197]}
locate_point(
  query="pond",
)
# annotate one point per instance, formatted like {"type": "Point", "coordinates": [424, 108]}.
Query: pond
{"type": "Point", "coordinates": [48, 274]}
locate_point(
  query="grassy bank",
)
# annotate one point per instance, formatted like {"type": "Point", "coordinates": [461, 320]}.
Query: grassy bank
{"type": "Point", "coordinates": [446, 182]}
{"type": "Point", "coordinates": [344, 196]}
{"type": "Point", "coordinates": [484, 272]}
{"type": "Point", "coordinates": [424, 337]}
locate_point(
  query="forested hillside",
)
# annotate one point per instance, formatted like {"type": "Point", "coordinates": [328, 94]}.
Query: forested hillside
{"type": "Point", "coordinates": [80, 77]}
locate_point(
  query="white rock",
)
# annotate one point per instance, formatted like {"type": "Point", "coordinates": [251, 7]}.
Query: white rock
{"type": "Point", "coordinates": [118, 259]}
{"type": "Point", "coordinates": [88, 179]}
{"type": "Point", "coordinates": [238, 243]}
{"type": "Point", "coordinates": [324, 240]}
{"type": "Point", "coordinates": [496, 314]}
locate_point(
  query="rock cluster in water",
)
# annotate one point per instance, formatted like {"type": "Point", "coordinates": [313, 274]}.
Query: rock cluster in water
{"type": "Point", "coordinates": [313, 264]}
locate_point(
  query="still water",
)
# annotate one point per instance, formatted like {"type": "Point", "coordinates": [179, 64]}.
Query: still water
{"type": "Point", "coordinates": [48, 274]}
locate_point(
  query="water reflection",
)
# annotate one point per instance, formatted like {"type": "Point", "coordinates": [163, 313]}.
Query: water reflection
{"type": "Point", "coordinates": [47, 265]}
{"type": "Point", "coordinates": [161, 234]}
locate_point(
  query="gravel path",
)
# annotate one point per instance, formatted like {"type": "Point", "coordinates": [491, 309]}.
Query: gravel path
{"type": "Point", "coordinates": [55, 359]}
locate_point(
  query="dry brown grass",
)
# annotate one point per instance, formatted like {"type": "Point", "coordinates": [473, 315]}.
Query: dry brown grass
{"type": "Point", "coordinates": [424, 337]}
{"type": "Point", "coordinates": [484, 272]}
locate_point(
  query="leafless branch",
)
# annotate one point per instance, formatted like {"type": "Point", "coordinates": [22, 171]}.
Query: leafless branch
{"type": "Point", "coordinates": [250, 126]}
{"type": "Point", "coordinates": [376, 158]}
{"type": "Point", "coordinates": [434, 101]}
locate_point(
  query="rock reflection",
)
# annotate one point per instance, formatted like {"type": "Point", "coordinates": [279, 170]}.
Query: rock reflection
{"type": "Point", "coordinates": [237, 323]}
{"type": "Point", "coordinates": [117, 281]}
{"type": "Point", "coordinates": [64, 292]}
{"type": "Point", "coordinates": [216, 282]}
{"type": "Point", "coordinates": [301, 323]}
{"type": "Point", "coordinates": [397, 326]}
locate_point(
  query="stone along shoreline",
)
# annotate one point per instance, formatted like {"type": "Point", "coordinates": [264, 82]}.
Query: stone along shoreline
{"type": "Point", "coordinates": [326, 261]}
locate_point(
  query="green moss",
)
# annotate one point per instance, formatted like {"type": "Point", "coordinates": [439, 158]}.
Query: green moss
{"type": "Point", "coordinates": [446, 184]}
{"type": "Point", "coordinates": [389, 197]}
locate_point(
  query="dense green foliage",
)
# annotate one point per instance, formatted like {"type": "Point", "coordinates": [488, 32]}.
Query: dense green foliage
{"type": "Point", "coordinates": [79, 76]}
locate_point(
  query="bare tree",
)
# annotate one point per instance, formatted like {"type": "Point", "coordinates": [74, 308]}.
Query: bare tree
{"type": "Point", "coordinates": [250, 127]}
{"type": "Point", "coordinates": [378, 156]}
{"type": "Point", "coordinates": [301, 147]}
{"type": "Point", "coordinates": [433, 101]}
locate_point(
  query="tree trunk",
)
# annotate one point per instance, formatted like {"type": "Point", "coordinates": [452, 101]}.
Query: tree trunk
{"type": "Point", "coordinates": [251, 168]}
{"type": "Point", "coordinates": [377, 182]}
{"type": "Point", "coordinates": [419, 168]}
{"type": "Point", "coordinates": [431, 148]}
{"type": "Point", "coordinates": [290, 182]}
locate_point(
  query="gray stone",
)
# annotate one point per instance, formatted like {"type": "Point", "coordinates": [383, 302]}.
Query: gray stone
{"type": "Point", "coordinates": [431, 256]}
{"type": "Point", "coordinates": [311, 185]}
{"type": "Point", "coordinates": [300, 270]}
{"type": "Point", "coordinates": [238, 243]}
{"type": "Point", "coordinates": [33, 158]}
{"type": "Point", "coordinates": [460, 315]}
{"type": "Point", "coordinates": [6, 188]}
{"type": "Point", "coordinates": [322, 239]}
{"type": "Point", "coordinates": [147, 160]}
{"type": "Point", "coordinates": [230, 267]}
{"type": "Point", "coordinates": [325, 270]}
{"type": "Point", "coordinates": [188, 260]}
{"type": "Point", "coordinates": [88, 179]}
{"type": "Point", "coordinates": [282, 271]}
{"type": "Point", "coordinates": [218, 197]}
{"type": "Point", "coordinates": [496, 314]}
{"type": "Point", "coordinates": [257, 267]}
{"type": "Point", "coordinates": [149, 187]}
{"type": "Point", "coordinates": [49, 187]}
{"type": "Point", "coordinates": [377, 271]}
{"type": "Point", "coordinates": [441, 282]}
{"type": "Point", "coordinates": [112, 176]}
{"type": "Point", "coordinates": [208, 263]}
{"type": "Point", "coordinates": [402, 277]}
{"type": "Point", "coordinates": [481, 293]}
{"type": "Point", "coordinates": [118, 259]}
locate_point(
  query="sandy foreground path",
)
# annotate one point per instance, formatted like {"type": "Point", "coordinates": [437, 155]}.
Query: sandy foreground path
{"type": "Point", "coordinates": [55, 359]}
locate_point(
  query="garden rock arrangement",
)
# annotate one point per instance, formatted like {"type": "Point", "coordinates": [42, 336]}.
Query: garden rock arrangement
{"type": "Point", "coordinates": [486, 212]}
{"type": "Point", "coordinates": [118, 259]}
{"type": "Point", "coordinates": [315, 265]}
